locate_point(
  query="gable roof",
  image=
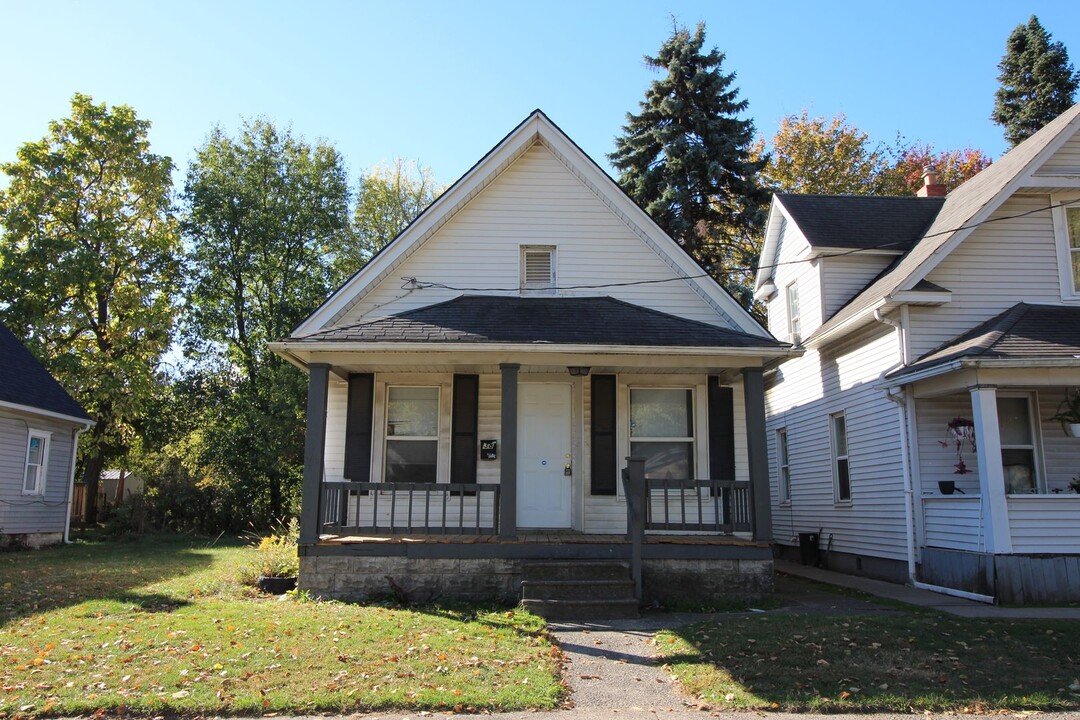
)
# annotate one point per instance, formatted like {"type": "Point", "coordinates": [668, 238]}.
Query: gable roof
{"type": "Point", "coordinates": [861, 222]}
{"type": "Point", "coordinates": [493, 319]}
{"type": "Point", "coordinates": [25, 382]}
{"type": "Point", "coordinates": [1023, 332]}
{"type": "Point", "coordinates": [537, 127]}
{"type": "Point", "coordinates": [964, 208]}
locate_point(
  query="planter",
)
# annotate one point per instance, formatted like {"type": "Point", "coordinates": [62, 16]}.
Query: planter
{"type": "Point", "coordinates": [1073, 429]}
{"type": "Point", "coordinates": [276, 585]}
{"type": "Point", "coordinates": [948, 487]}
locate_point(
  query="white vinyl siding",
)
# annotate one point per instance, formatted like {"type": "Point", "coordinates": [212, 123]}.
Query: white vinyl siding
{"type": "Point", "coordinates": [795, 270]}
{"type": "Point", "coordinates": [535, 201]}
{"type": "Point", "coordinates": [45, 512]}
{"type": "Point", "coordinates": [999, 264]}
{"type": "Point", "coordinates": [1066, 161]}
{"type": "Point", "coordinates": [844, 276]}
{"type": "Point", "coordinates": [800, 397]}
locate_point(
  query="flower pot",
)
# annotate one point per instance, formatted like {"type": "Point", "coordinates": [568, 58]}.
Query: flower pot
{"type": "Point", "coordinates": [276, 585]}
{"type": "Point", "coordinates": [1073, 429]}
{"type": "Point", "coordinates": [947, 487]}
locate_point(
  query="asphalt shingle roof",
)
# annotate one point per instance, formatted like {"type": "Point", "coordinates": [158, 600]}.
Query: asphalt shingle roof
{"type": "Point", "coordinates": [1023, 332]}
{"type": "Point", "coordinates": [861, 222]}
{"type": "Point", "coordinates": [960, 207]}
{"type": "Point", "coordinates": [24, 381]}
{"type": "Point", "coordinates": [541, 320]}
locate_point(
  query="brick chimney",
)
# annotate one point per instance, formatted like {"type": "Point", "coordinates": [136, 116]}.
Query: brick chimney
{"type": "Point", "coordinates": [932, 186]}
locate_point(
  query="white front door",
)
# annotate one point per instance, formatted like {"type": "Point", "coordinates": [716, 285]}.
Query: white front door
{"type": "Point", "coordinates": [544, 461]}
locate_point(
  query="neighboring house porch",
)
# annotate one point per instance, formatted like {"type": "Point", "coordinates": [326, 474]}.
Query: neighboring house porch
{"type": "Point", "coordinates": [1008, 526]}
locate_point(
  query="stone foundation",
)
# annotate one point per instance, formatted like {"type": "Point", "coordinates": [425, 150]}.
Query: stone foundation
{"type": "Point", "coordinates": [30, 540]}
{"type": "Point", "coordinates": [419, 580]}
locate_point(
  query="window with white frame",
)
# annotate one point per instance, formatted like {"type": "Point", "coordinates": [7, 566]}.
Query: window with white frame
{"type": "Point", "coordinates": [794, 320]}
{"type": "Point", "coordinates": [662, 431]}
{"type": "Point", "coordinates": [1072, 225]}
{"type": "Point", "coordinates": [37, 455]}
{"type": "Point", "coordinates": [783, 468]}
{"type": "Point", "coordinates": [537, 267]}
{"type": "Point", "coordinates": [841, 471]}
{"type": "Point", "coordinates": [1066, 214]}
{"type": "Point", "coordinates": [1017, 444]}
{"type": "Point", "coordinates": [412, 434]}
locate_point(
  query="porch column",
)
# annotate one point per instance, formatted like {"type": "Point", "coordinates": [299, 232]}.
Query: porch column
{"type": "Point", "coordinates": [757, 452]}
{"type": "Point", "coordinates": [995, 510]}
{"type": "Point", "coordinates": [314, 448]}
{"type": "Point", "coordinates": [508, 463]}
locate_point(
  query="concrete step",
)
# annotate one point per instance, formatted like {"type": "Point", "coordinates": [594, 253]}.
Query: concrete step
{"type": "Point", "coordinates": [582, 610]}
{"type": "Point", "coordinates": [577, 589]}
{"type": "Point", "coordinates": [576, 570]}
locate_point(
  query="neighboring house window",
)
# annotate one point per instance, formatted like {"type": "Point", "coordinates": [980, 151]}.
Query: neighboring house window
{"type": "Point", "coordinates": [537, 267]}
{"type": "Point", "coordinates": [37, 455]}
{"type": "Point", "coordinates": [412, 434]}
{"type": "Point", "coordinates": [794, 320]}
{"type": "Point", "coordinates": [1017, 444]}
{"type": "Point", "coordinates": [1066, 215]}
{"type": "Point", "coordinates": [662, 431]}
{"type": "Point", "coordinates": [841, 471]}
{"type": "Point", "coordinates": [1072, 221]}
{"type": "Point", "coordinates": [783, 468]}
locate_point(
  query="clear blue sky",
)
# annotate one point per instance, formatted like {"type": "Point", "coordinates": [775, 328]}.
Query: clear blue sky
{"type": "Point", "coordinates": [441, 82]}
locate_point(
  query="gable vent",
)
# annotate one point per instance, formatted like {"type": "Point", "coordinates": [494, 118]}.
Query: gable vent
{"type": "Point", "coordinates": [537, 267]}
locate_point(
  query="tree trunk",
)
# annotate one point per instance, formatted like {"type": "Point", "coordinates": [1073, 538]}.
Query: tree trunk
{"type": "Point", "coordinates": [275, 496]}
{"type": "Point", "coordinates": [91, 475]}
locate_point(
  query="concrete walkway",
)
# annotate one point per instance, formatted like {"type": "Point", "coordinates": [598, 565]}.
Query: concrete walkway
{"type": "Point", "coordinates": [925, 598]}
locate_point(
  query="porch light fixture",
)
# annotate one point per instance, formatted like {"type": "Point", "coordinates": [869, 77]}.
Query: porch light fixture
{"type": "Point", "coordinates": [578, 371]}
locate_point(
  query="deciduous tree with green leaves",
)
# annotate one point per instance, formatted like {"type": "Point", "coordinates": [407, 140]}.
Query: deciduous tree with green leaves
{"type": "Point", "coordinates": [686, 156]}
{"type": "Point", "coordinates": [1037, 82]}
{"type": "Point", "coordinates": [89, 268]}
{"type": "Point", "coordinates": [264, 216]}
{"type": "Point", "coordinates": [390, 196]}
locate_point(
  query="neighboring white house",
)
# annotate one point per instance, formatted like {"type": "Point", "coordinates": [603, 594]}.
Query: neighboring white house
{"type": "Point", "coordinates": [916, 312]}
{"type": "Point", "coordinates": [39, 426]}
{"type": "Point", "coordinates": [487, 372]}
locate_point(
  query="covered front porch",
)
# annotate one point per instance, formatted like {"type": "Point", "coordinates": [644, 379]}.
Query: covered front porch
{"type": "Point", "coordinates": [996, 511]}
{"type": "Point", "coordinates": [524, 462]}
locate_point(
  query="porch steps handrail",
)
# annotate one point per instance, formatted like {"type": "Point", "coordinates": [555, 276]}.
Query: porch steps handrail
{"type": "Point", "coordinates": [429, 508]}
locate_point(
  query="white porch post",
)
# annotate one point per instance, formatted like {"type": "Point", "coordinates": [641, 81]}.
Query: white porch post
{"type": "Point", "coordinates": [995, 510]}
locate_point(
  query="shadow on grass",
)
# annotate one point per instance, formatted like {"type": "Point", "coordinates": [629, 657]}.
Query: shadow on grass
{"type": "Point", "coordinates": [898, 663]}
{"type": "Point", "coordinates": [61, 576]}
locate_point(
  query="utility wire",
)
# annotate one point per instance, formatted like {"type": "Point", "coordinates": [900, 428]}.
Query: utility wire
{"type": "Point", "coordinates": [413, 283]}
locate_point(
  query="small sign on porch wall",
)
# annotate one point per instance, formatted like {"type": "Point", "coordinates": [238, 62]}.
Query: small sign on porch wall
{"type": "Point", "coordinates": [489, 449]}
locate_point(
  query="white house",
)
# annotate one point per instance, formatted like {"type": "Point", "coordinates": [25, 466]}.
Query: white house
{"type": "Point", "coordinates": [483, 378]}
{"type": "Point", "coordinates": [931, 323]}
{"type": "Point", "coordinates": [39, 428]}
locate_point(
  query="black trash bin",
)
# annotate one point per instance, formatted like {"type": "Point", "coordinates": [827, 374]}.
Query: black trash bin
{"type": "Point", "coordinates": [808, 549]}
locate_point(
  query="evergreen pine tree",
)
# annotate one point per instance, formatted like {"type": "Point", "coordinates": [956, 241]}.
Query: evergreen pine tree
{"type": "Point", "coordinates": [1037, 82]}
{"type": "Point", "coordinates": [686, 158]}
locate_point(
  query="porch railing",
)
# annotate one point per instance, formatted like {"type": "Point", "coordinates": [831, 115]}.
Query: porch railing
{"type": "Point", "coordinates": [712, 506]}
{"type": "Point", "coordinates": [428, 508]}
{"type": "Point", "coordinates": [668, 505]}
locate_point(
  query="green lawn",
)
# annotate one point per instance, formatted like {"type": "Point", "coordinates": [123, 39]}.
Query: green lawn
{"type": "Point", "coordinates": [911, 662]}
{"type": "Point", "coordinates": [160, 626]}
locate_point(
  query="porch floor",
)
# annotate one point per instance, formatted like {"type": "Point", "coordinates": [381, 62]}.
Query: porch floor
{"type": "Point", "coordinates": [538, 538]}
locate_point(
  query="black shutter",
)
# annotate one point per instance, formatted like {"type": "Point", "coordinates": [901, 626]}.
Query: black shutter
{"type": "Point", "coordinates": [602, 432]}
{"type": "Point", "coordinates": [721, 431]}
{"type": "Point", "coordinates": [358, 421]}
{"type": "Point", "coordinates": [463, 431]}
